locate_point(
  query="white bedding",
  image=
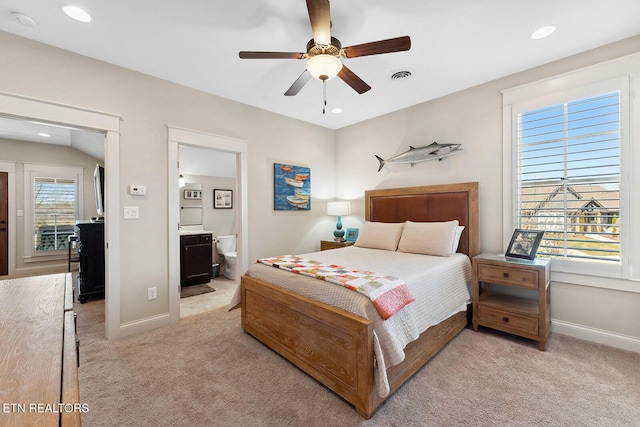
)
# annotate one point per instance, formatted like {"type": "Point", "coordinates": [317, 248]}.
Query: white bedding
{"type": "Point", "coordinates": [441, 287]}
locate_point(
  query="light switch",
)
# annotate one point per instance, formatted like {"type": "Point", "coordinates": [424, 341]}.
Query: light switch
{"type": "Point", "coordinates": [131, 212]}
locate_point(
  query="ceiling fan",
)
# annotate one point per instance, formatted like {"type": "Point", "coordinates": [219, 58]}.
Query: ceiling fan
{"type": "Point", "coordinates": [324, 52]}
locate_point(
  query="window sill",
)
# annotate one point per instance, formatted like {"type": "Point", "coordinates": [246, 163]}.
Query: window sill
{"type": "Point", "coordinates": [594, 274]}
{"type": "Point", "coordinates": [56, 256]}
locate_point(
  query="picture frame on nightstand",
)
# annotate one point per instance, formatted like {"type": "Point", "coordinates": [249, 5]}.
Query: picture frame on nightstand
{"type": "Point", "coordinates": [524, 244]}
{"type": "Point", "coordinates": [352, 234]}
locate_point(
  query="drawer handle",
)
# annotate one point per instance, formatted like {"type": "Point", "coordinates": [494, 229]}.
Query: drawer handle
{"type": "Point", "coordinates": [505, 319]}
{"type": "Point", "coordinates": [505, 275]}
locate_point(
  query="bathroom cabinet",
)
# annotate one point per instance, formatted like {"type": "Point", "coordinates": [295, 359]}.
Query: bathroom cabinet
{"type": "Point", "coordinates": [195, 259]}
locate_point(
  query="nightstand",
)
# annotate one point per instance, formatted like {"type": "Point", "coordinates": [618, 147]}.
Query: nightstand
{"type": "Point", "coordinates": [325, 245]}
{"type": "Point", "coordinates": [497, 305]}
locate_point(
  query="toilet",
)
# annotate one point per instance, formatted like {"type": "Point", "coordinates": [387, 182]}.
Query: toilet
{"type": "Point", "coordinates": [227, 250]}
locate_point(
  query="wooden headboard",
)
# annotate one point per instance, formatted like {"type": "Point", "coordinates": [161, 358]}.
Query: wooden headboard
{"type": "Point", "coordinates": [430, 203]}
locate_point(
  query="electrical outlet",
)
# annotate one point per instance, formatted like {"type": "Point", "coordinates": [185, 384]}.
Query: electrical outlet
{"type": "Point", "coordinates": [152, 293]}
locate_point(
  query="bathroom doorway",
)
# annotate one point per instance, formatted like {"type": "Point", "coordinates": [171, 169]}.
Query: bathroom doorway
{"type": "Point", "coordinates": [220, 150]}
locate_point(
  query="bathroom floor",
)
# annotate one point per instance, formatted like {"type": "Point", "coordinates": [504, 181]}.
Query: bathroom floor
{"type": "Point", "coordinates": [224, 290]}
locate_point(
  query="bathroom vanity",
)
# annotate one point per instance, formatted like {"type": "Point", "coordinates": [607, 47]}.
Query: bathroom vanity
{"type": "Point", "coordinates": [195, 258]}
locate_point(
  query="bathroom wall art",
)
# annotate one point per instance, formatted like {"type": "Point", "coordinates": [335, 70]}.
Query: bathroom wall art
{"type": "Point", "coordinates": [222, 199]}
{"type": "Point", "coordinates": [292, 187]}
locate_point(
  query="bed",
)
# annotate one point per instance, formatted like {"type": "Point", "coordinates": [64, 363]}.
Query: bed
{"type": "Point", "coordinates": [338, 348]}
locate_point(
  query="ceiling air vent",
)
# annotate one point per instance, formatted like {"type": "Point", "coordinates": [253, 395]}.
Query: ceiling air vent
{"type": "Point", "coordinates": [400, 75]}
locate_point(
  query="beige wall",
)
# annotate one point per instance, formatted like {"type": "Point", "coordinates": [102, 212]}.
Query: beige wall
{"type": "Point", "coordinates": [473, 118]}
{"type": "Point", "coordinates": [342, 163]}
{"type": "Point", "coordinates": [147, 105]}
{"type": "Point", "coordinates": [46, 154]}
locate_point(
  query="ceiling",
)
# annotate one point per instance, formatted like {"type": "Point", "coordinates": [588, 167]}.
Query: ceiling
{"type": "Point", "coordinates": [91, 143]}
{"type": "Point", "coordinates": [456, 44]}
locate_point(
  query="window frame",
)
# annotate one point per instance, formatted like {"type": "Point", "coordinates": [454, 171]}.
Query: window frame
{"type": "Point", "coordinates": [621, 75]}
{"type": "Point", "coordinates": [31, 171]}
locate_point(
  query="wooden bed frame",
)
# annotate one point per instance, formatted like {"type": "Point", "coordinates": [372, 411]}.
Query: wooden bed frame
{"type": "Point", "coordinates": [336, 347]}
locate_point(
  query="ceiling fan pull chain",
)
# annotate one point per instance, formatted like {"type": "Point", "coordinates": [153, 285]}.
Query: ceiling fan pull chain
{"type": "Point", "coordinates": [324, 95]}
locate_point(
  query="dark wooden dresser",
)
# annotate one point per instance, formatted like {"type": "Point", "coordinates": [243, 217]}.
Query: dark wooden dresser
{"type": "Point", "coordinates": [91, 254]}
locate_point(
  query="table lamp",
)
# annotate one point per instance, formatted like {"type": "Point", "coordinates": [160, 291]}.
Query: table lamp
{"type": "Point", "coordinates": [338, 209]}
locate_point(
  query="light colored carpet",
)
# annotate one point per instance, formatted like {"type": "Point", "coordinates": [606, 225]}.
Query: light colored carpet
{"type": "Point", "coordinates": [204, 371]}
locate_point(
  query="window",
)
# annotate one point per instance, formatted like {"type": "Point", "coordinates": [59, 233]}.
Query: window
{"type": "Point", "coordinates": [54, 212]}
{"type": "Point", "coordinates": [568, 177]}
{"type": "Point", "coordinates": [571, 167]}
{"type": "Point", "coordinates": [53, 202]}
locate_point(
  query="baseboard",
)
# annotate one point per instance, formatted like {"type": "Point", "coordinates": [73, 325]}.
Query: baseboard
{"type": "Point", "coordinates": [599, 336]}
{"type": "Point", "coordinates": [143, 325]}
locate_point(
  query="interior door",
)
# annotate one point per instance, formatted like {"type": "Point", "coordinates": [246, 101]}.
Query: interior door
{"type": "Point", "coordinates": [4, 223]}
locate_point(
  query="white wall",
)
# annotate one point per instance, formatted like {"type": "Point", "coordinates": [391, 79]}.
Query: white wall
{"type": "Point", "coordinates": [473, 118]}
{"type": "Point", "coordinates": [147, 105]}
{"type": "Point", "coordinates": [46, 154]}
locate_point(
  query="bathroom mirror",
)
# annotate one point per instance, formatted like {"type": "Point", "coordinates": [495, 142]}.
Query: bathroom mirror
{"type": "Point", "coordinates": [190, 215]}
{"type": "Point", "coordinates": [191, 204]}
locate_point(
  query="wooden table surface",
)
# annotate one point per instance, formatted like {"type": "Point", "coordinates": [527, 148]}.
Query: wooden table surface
{"type": "Point", "coordinates": [31, 347]}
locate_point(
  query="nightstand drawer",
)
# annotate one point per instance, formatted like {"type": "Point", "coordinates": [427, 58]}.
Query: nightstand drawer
{"type": "Point", "coordinates": [506, 319]}
{"type": "Point", "coordinates": [508, 276]}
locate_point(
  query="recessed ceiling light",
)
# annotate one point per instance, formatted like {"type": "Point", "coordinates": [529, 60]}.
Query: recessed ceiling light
{"type": "Point", "coordinates": [336, 110]}
{"type": "Point", "coordinates": [44, 135]}
{"type": "Point", "coordinates": [543, 32]}
{"type": "Point", "coordinates": [77, 13]}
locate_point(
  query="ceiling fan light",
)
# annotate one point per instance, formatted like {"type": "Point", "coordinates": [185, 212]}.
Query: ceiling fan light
{"type": "Point", "coordinates": [324, 67]}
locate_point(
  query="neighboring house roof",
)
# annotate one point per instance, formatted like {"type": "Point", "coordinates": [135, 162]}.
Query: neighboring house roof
{"type": "Point", "coordinates": [579, 198]}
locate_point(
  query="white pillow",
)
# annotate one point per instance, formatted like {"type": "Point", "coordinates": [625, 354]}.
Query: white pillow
{"type": "Point", "coordinates": [430, 238]}
{"type": "Point", "coordinates": [456, 239]}
{"type": "Point", "coordinates": [380, 235]}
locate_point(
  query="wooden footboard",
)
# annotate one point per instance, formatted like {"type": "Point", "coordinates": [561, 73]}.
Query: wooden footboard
{"type": "Point", "coordinates": [332, 345]}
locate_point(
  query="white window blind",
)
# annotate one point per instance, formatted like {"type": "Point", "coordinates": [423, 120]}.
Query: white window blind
{"type": "Point", "coordinates": [54, 212]}
{"type": "Point", "coordinates": [568, 175]}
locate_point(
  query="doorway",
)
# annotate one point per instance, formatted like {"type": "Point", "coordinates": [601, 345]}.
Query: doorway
{"type": "Point", "coordinates": [4, 223]}
{"type": "Point", "coordinates": [17, 107]}
{"type": "Point", "coordinates": [182, 137]}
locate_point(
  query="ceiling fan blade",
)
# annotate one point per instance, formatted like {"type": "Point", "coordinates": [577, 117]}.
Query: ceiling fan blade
{"type": "Point", "coordinates": [298, 84]}
{"type": "Point", "coordinates": [397, 44]}
{"type": "Point", "coordinates": [271, 55]}
{"type": "Point", "coordinates": [352, 80]}
{"type": "Point", "coordinates": [320, 17]}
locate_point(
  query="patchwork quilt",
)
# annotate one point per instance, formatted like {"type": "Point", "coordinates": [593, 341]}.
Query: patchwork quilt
{"type": "Point", "coordinates": [387, 293]}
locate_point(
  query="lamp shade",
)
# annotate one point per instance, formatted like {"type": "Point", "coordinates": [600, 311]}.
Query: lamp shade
{"type": "Point", "coordinates": [324, 66]}
{"type": "Point", "coordinates": [338, 208]}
